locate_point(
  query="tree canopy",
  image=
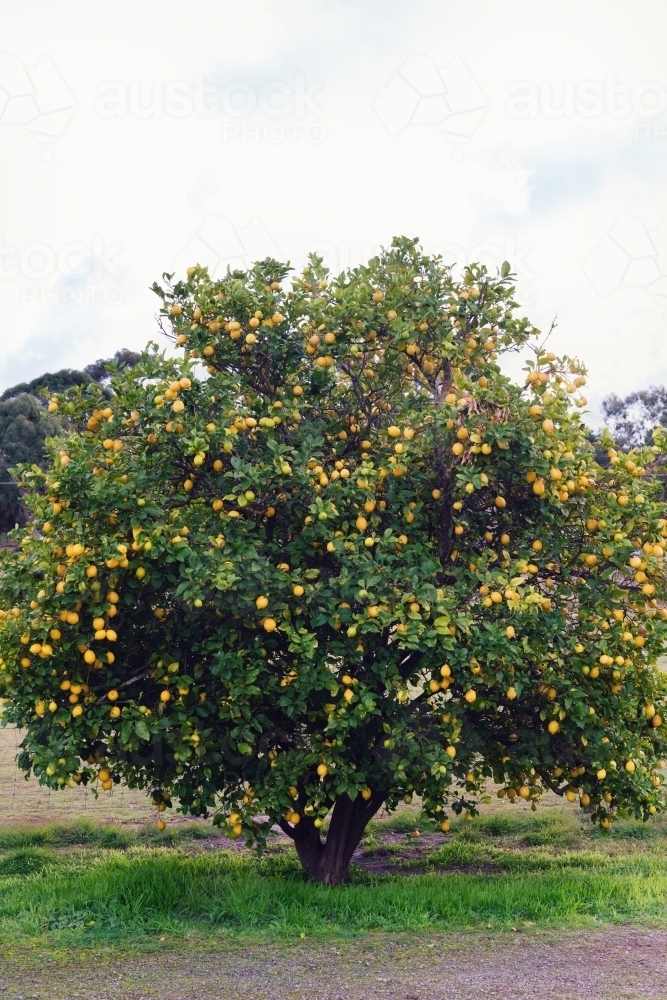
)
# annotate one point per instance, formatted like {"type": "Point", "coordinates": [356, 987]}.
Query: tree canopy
{"type": "Point", "coordinates": [349, 562]}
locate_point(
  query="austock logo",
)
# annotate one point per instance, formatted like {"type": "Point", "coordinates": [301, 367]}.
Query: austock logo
{"type": "Point", "coordinates": [630, 256]}
{"type": "Point", "coordinates": [492, 254]}
{"type": "Point", "coordinates": [71, 274]}
{"type": "Point", "coordinates": [586, 99]}
{"type": "Point", "coordinates": [446, 98]}
{"type": "Point", "coordinates": [280, 110]}
{"type": "Point", "coordinates": [237, 99]}
{"type": "Point", "coordinates": [219, 244]}
{"type": "Point", "coordinates": [36, 98]}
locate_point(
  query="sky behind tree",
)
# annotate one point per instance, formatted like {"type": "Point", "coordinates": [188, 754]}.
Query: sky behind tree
{"type": "Point", "coordinates": [142, 137]}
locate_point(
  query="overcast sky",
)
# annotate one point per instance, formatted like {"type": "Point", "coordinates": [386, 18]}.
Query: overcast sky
{"type": "Point", "coordinates": [139, 137]}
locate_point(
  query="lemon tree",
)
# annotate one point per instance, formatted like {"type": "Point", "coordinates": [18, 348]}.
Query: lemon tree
{"type": "Point", "coordinates": [330, 558]}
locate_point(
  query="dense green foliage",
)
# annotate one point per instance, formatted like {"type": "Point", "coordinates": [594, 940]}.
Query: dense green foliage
{"type": "Point", "coordinates": [351, 563]}
{"type": "Point", "coordinates": [24, 424]}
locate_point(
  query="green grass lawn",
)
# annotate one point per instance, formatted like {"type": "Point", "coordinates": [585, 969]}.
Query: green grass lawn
{"type": "Point", "coordinates": [92, 882]}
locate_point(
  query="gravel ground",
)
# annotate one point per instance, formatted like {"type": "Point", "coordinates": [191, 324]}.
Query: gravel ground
{"type": "Point", "coordinates": [613, 963]}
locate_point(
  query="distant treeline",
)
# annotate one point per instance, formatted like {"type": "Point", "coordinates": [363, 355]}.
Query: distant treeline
{"type": "Point", "coordinates": [25, 423]}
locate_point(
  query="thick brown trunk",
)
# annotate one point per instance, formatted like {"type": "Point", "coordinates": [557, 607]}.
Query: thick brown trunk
{"type": "Point", "coordinates": [329, 861]}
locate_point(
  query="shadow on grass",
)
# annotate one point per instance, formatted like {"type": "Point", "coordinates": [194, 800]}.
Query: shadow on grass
{"type": "Point", "coordinates": [28, 861]}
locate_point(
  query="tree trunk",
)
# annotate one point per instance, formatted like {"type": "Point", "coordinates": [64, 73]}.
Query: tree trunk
{"type": "Point", "coordinates": [329, 861]}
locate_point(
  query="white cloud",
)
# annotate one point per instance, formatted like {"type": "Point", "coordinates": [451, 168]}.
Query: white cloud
{"type": "Point", "coordinates": [415, 134]}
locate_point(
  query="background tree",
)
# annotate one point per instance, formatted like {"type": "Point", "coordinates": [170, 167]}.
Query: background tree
{"type": "Point", "coordinates": [102, 369]}
{"type": "Point", "coordinates": [55, 382]}
{"type": "Point", "coordinates": [24, 424]}
{"type": "Point", "coordinates": [58, 381]}
{"type": "Point", "coordinates": [631, 420]}
{"type": "Point", "coordinates": [350, 563]}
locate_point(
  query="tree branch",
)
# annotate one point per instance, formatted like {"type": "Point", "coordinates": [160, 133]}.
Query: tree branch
{"type": "Point", "coordinates": [119, 687]}
{"type": "Point", "coordinates": [286, 828]}
{"type": "Point", "coordinates": [554, 788]}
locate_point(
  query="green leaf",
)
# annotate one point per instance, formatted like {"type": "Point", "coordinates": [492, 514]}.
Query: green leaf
{"type": "Point", "coordinates": [141, 729]}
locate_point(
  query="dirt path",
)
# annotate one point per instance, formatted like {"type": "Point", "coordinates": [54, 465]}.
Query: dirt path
{"type": "Point", "coordinates": [616, 963]}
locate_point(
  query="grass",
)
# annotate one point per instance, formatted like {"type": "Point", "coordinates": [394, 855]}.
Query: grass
{"type": "Point", "coordinates": [150, 891]}
{"type": "Point", "coordinates": [85, 832]}
{"type": "Point", "coordinates": [101, 883]}
{"type": "Point", "coordinates": [552, 827]}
